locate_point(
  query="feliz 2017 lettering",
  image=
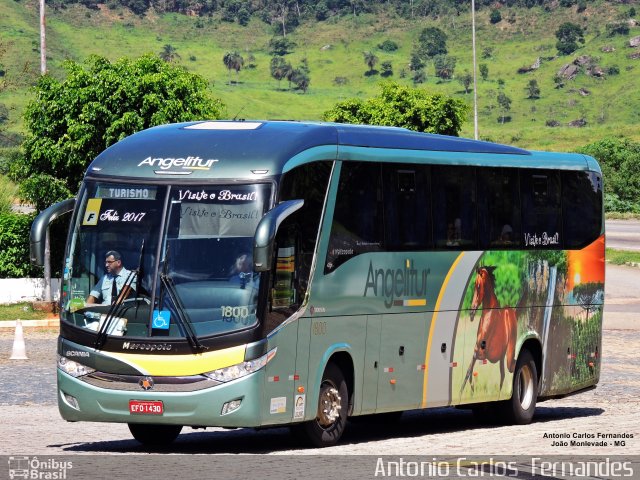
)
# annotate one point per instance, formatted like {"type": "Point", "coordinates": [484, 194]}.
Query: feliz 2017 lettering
{"type": "Point", "coordinates": [114, 216]}
{"type": "Point", "coordinates": [544, 240]}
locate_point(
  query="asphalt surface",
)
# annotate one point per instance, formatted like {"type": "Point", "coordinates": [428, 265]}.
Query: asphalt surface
{"type": "Point", "coordinates": [623, 234]}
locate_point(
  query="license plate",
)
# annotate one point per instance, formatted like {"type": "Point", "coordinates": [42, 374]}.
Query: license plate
{"type": "Point", "coordinates": [146, 407]}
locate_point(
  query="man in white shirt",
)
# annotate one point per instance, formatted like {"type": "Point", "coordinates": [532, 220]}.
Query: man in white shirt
{"type": "Point", "coordinates": [111, 285]}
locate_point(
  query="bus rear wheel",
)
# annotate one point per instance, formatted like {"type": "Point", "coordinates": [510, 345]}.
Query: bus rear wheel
{"type": "Point", "coordinates": [520, 408]}
{"type": "Point", "coordinates": [331, 418]}
{"type": "Point", "coordinates": [154, 435]}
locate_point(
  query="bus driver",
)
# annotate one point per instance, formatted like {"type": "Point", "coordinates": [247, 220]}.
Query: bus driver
{"type": "Point", "coordinates": [110, 286]}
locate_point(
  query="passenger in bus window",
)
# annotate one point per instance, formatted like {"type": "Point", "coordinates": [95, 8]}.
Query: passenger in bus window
{"type": "Point", "coordinates": [454, 233]}
{"type": "Point", "coordinates": [117, 282]}
{"type": "Point", "coordinates": [242, 270]}
{"type": "Point", "coordinates": [506, 235]}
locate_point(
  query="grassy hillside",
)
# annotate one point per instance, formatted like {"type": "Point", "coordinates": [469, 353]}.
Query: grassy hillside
{"type": "Point", "coordinates": [334, 49]}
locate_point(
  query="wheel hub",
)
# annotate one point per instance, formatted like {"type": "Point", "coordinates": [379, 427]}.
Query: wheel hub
{"type": "Point", "coordinates": [329, 407]}
{"type": "Point", "coordinates": [525, 385]}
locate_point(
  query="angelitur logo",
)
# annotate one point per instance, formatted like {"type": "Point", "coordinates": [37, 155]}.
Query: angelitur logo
{"type": "Point", "coordinates": [400, 287]}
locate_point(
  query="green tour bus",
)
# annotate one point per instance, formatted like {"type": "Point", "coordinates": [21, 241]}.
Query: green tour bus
{"type": "Point", "coordinates": [254, 274]}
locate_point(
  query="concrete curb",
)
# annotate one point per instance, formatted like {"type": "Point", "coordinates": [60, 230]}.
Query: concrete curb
{"type": "Point", "coordinates": [46, 323]}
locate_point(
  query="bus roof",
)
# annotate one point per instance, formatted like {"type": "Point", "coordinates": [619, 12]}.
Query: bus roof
{"type": "Point", "coordinates": [255, 149]}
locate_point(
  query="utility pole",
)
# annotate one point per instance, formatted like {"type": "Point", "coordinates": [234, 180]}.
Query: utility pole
{"type": "Point", "coordinates": [47, 242]}
{"type": "Point", "coordinates": [43, 43]}
{"type": "Point", "coordinates": [475, 80]}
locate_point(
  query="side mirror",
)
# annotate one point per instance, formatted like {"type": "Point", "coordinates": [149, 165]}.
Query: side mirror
{"type": "Point", "coordinates": [40, 225]}
{"type": "Point", "coordinates": [266, 233]}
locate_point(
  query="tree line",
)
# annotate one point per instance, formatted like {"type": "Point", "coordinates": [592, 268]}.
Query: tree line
{"type": "Point", "coordinates": [286, 15]}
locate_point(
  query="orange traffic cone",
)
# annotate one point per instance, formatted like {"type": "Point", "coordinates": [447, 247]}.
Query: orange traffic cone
{"type": "Point", "coordinates": [19, 348]}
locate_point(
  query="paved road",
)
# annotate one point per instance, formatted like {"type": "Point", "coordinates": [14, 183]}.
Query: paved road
{"type": "Point", "coordinates": [623, 234]}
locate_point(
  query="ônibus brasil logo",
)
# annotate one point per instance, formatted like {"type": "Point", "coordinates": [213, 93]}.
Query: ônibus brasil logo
{"type": "Point", "coordinates": [178, 165]}
{"type": "Point", "coordinates": [400, 287]}
{"type": "Point", "coordinates": [33, 468]}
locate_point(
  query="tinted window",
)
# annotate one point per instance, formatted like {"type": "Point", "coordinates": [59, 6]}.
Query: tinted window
{"type": "Point", "coordinates": [454, 217]}
{"type": "Point", "coordinates": [407, 207]}
{"type": "Point", "coordinates": [582, 208]}
{"type": "Point", "coordinates": [296, 240]}
{"type": "Point", "coordinates": [541, 212]}
{"type": "Point", "coordinates": [358, 219]}
{"type": "Point", "coordinates": [498, 208]}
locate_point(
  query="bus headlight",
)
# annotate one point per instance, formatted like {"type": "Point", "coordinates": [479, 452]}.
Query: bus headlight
{"type": "Point", "coordinates": [72, 368]}
{"type": "Point", "coordinates": [241, 369]}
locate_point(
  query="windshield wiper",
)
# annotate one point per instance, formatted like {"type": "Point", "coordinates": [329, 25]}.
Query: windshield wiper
{"type": "Point", "coordinates": [181, 315]}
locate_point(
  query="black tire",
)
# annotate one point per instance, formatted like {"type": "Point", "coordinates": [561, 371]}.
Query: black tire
{"type": "Point", "coordinates": [331, 419]}
{"type": "Point", "coordinates": [154, 435]}
{"type": "Point", "coordinates": [520, 408]}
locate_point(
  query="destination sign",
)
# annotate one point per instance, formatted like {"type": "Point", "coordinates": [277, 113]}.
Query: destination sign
{"type": "Point", "coordinates": [126, 192]}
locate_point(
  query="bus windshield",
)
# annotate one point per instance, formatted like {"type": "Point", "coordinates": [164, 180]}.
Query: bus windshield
{"type": "Point", "coordinates": [176, 261]}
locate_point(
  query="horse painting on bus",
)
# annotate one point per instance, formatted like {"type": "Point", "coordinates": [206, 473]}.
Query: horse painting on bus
{"type": "Point", "coordinates": [551, 295]}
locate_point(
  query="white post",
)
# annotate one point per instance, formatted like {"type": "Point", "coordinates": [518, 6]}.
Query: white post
{"type": "Point", "coordinates": [43, 43]}
{"type": "Point", "coordinates": [47, 268]}
{"type": "Point", "coordinates": [475, 82]}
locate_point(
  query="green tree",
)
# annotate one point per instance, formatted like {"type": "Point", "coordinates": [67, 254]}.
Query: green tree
{"type": "Point", "coordinates": [533, 90]}
{"type": "Point", "coordinates": [169, 53]}
{"type": "Point", "coordinates": [370, 59]}
{"type": "Point", "coordinates": [495, 16]}
{"type": "Point", "coordinates": [243, 16]}
{"type": "Point", "coordinates": [431, 42]}
{"type": "Point", "coordinates": [403, 106]}
{"type": "Point", "coordinates": [280, 69]}
{"type": "Point", "coordinates": [279, 47]}
{"type": "Point", "coordinates": [416, 63]}
{"type": "Point", "coordinates": [14, 249]}
{"type": "Point", "coordinates": [465, 80]}
{"type": "Point", "coordinates": [233, 61]}
{"type": "Point", "coordinates": [444, 66]}
{"type": "Point", "coordinates": [386, 69]}
{"type": "Point", "coordinates": [484, 71]}
{"type": "Point", "coordinates": [618, 158]}
{"type": "Point", "coordinates": [71, 121]}
{"type": "Point", "coordinates": [569, 35]}
{"type": "Point", "coordinates": [619, 28]}
{"type": "Point", "coordinates": [419, 76]}
{"type": "Point", "coordinates": [504, 103]}
{"type": "Point", "coordinates": [388, 46]}
{"type": "Point", "coordinates": [301, 79]}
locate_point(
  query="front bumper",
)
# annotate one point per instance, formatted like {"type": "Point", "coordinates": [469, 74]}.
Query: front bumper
{"type": "Point", "coordinates": [196, 408]}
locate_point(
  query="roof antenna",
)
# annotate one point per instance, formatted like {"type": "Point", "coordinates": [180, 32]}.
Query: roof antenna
{"type": "Point", "coordinates": [239, 112]}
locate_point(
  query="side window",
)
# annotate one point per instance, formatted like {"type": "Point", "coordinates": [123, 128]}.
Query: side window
{"type": "Point", "coordinates": [407, 207]}
{"type": "Point", "coordinates": [454, 217]}
{"type": "Point", "coordinates": [499, 208]}
{"type": "Point", "coordinates": [296, 240]}
{"type": "Point", "coordinates": [581, 208]}
{"type": "Point", "coordinates": [541, 212]}
{"type": "Point", "coordinates": [358, 220]}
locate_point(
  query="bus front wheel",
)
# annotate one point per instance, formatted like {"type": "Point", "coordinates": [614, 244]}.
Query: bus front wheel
{"type": "Point", "coordinates": [520, 408]}
{"type": "Point", "coordinates": [331, 418]}
{"type": "Point", "coordinates": [154, 435]}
